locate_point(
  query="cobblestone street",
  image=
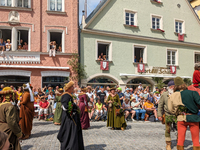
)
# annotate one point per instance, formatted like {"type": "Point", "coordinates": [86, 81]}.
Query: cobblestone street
{"type": "Point", "coordinates": [138, 136]}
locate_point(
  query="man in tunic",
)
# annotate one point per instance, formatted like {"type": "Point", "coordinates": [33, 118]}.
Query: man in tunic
{"type": "Point", "coordinates": [70, 134]}
{"type": "Point", "coordinates": [163, 105]}
{"type": "Point", "coordinates": [183, 103]}
{"type": "Point", "coordinates": [9, 118]}
{"type": "Point", "coordinates": [26, 111]}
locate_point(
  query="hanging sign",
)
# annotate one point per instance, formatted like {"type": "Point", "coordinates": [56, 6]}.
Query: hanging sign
{"type": "Point", "coordinates": [141, 68]}
{"type": "Point", "coordinates": [104, 65]}
{"type": "Point", "coordinates": [173, 69]}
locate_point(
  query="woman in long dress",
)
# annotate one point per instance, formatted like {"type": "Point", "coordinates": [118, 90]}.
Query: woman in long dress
{"type": "Point", "coordinates": [83, 105]}
{"type": "Point", "coordinates": [58, 112]}
{"type": "Point", "coordinates": [115, 121]}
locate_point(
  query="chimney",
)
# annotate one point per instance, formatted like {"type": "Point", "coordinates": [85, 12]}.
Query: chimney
{"type": "Point", "coordinates": [85, 8]}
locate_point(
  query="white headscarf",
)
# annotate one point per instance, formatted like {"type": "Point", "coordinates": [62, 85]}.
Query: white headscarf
{"type": "Point", "coordinates": [31, 93]}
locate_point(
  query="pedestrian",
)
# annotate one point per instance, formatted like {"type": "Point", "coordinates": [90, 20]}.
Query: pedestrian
{"type": "Point", "coordinates": [163, 105]}
{"type": "Point", "coordinates": [9, 119]}
{"type": "Point", "coordinates": [83, 105]}
{"type": "Point", "coordinates": [58, 112]}
{"type": "Point", "coordinates": [183, 103]}
{"type": "Point", "coordinates": [26, 111]}
{"type": "Point", "coordinates": [115, 121]}
{"type": "Point", "coordinates": [70, 133]}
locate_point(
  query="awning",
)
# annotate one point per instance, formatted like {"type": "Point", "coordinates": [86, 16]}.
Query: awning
{"type": "Point", "coordinates": [151, 75]}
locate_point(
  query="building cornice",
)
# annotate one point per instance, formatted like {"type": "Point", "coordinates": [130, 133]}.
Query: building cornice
{"type": "Point", "coordinates": [136, 37]}
{"type": "Point", "coordinates": [33, 67]}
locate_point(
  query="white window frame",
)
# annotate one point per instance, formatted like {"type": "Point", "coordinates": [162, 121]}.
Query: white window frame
{"type": "Point", "coordinates": [63, 6]}
{"type": "Point", "coordinates": [144, 52]}
{"type": "Point", "coordinates": [29, 4]}
{"type": "Point", "coordinates": [196, 53]}
{"type": "Point", "coordinates": [109, 50]}
{"type": "Point", "coordinates": [183, 25]}
{"type": "Point", "coordinates": [29, 36]}
{"type": "Point", "coordinates": [161, 21]}
{"type": "Point", "coordinates": [131, 12]}
{"type": "Point", "coordinates": [176, 57]}
{"type": "Point", "coordinates": [6, 3]}
{"type": "Point", "coordinates": [63, 38]}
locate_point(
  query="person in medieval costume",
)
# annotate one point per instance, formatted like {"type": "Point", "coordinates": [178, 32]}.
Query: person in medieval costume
{"type": "Point", "coordinates": [58, 111]}
{"type": "Point", "coordinates": [163, 105]}
{"type": "Point", "coordinates": [183, 103]}
{"type": "Point", "coordinates": [9, 118]}
{"type": "Point", "coordinates": [83, 105]}
{"type": "Point", "coordinates": [26, 111]}
{"type": "Point", "coordinates": [70, 133]}
{"type": "Point", "coordinates": [115, 119]}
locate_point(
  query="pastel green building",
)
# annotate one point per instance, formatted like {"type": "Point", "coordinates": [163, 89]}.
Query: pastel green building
{"type": "Point", "coordinates": [139, 40]}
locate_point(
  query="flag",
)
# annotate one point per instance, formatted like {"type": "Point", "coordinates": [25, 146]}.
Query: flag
{"type": "Point", "coordinates": [104, 65]}
{"type": "Point", "coordinates": [141, 68]}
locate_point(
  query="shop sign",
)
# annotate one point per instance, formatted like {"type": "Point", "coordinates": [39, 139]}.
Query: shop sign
{"type": "Point", "coordinates": [20, 58]}
{"type": "Point", "coordinates": [158, 70]}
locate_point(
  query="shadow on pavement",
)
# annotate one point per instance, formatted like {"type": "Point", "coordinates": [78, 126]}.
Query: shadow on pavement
{"type": "Point", "coordinates": [95, 147]}
{"type": "Point", "coordinates": [187, 143]}
{"type": "Point", "coordinates": [43, 133]}
{"type": "Point", "coordinates": [96, 127]}
{"type": "Point", "coordinates": [26, 147]}
{"type": "Point", "coordinates": [42, 123]}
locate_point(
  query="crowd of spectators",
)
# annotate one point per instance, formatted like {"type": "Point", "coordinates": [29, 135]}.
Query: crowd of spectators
{"type": "Point", "coordinates": [138, 104]}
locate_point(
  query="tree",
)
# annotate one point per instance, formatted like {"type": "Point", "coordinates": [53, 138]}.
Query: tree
{"type": "Point", "coordinates": [159, 81]}
{"type": "Point", "coordinates": [77, 68]}
{"type": "Point", "coordinates": [188, 82]}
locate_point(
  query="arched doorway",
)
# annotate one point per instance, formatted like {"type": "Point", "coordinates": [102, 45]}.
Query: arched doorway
{"type": "Point", "coordinates": [135, 83]}
{"type": "Point", "coordinates": [101, 81]}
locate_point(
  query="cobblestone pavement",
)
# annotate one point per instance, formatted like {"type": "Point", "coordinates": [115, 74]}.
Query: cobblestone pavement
{"type": "Point", "coordinates": [137, 136]}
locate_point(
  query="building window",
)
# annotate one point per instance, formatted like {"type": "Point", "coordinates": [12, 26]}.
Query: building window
{"type": "Point", "coordinates": [56, 39]}
{"type": "Point", "coordinates": [156, 22]}
{"type": "Point", "coordinates": [139, 54]}
{"type": "Point", "coordinates": [197, 58]}
{"type": "Point", "coordinates": [23, 38]}
{"type": "Point", "coordinates": [171, 57]}
{"type": "Point", "coordinates": [179, 26]}
{"type": "Point", "coordinates": [6, 3]}
{"type": "Point", "coordinates": [56, 5]}
{"type": "Point", "coordinates": [5, 37]}
{"type": "Point", "coordinates": [130, 17]}
{"type": "Point", "coordinates": [23, 3]}
{"type": "Point", "coordinates": [53, 81]}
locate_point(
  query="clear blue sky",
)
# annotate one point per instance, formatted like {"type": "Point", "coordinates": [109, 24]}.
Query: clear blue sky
{"type": "Point", "coordinates": [91, 6]}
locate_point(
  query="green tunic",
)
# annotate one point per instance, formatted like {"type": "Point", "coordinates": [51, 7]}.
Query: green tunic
{"type": "Point", "coordinates": [58, 112]}
{"type": "Point", "coordinates": [113, 120]}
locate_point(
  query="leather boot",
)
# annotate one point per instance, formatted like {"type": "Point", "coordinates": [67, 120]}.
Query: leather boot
{"type": "Point", "coordinates": [196, 147]}
{"type": "Point", "coordinates": [168, 147]}
{"type": "Point", "coordinates": [180, 147]}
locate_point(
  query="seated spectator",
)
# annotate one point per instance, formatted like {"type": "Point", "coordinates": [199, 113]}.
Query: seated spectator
{"type": "Point", "coordinates": [136, 107]}
{"type": "Point", "coordinates": [149, 107]}
{"type": "Point", "coordinates": [51, 100]}
{"type": "Point", "coordinates": [127, 109]}
{"type": "Point", "coordinates": [135, 95]}
{"type": "Point", "coordinates": [140, 87]}
{"type": "Point", "coordinates": [19, 47]}
{"type": "Point", "coordinates": [25, 47]}
{"type": "Point", "coordinates": [127, 94]}
{"type": "Point", "coordinates": [59, 49]}
{"type": "Point", "coordinates": [104, 57]}
{"type": "Point", "coordinates": [150, 97]}
{"type": "Point", "coordinates": [91, 108]}
{"type": "Point", "coordinates": [99, 58]}
{"type": "Point", "coordinates": [156, 98]}
{"type": "Point", "coordinates": [8, 45]}
{"type": "Point", "coordinates": [40, 93]}
{"type": "Point", "coordinates": [21, 43]}
{"type": "Point", "coordinates": [44, 105]}
{"type": "Point", "coordinates": [141, 60]}
{"type": "Point", "coordinates": [135, 59]}
{"type": "Point", "coordinates": [121, 95]}
{"type": "Point", "coordinates": [99, 109]}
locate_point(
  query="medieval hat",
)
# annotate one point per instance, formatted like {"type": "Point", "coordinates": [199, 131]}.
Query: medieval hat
{"type": "Point", "coordinates": [113, 88]}
{"type": "Point", "coordinates": [60, 89]}
{"type": "Point", "coordinates": [132, 98]}
{"type": "Point", "coordinates": [83, 88]}
{"type": "Point", "coordinates": [68, 85]}
{"type": "Point", "coordinates": [178, 81]}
